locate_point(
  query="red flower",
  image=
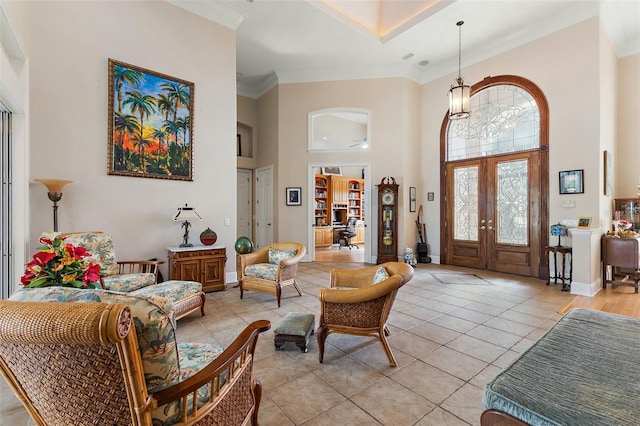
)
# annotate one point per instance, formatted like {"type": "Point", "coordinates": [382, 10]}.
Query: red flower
{"type": "Point", "coordinates": [92, 274]}
{"type": "Point", "coordinates": [42, 258]}
{"type": "Point", "coordinates": [26, 278]}
{"type": "Point", "coordinates": [77, 252]}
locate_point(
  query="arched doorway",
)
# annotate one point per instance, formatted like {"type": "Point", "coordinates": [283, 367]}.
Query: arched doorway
{"type": "Point", "coordinates": [494, 177]}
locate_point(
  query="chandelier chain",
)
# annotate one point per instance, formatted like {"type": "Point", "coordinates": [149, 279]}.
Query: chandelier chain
{"type": "Point", "coordinates": [459, 24]}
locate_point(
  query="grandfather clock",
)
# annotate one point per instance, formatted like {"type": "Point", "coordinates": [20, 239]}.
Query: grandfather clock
{"type": "Point", "coordinates": [387, 220]}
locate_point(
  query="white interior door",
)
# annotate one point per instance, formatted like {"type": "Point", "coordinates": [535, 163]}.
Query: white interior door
{"type": "Point", "coordinates": [264, 207]}
{"type": "Point", "coordinates": [244, 207]}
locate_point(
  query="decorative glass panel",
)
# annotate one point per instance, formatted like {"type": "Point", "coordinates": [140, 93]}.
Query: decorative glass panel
{"type": "Point", "coordinates": [465, 203]}
{"type": "Point", "coordinates": [512, 203]}
{"type": "Point", "coordinates": [504, 118]}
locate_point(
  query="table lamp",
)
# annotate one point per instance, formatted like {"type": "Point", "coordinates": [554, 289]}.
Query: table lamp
{"type": "Point", "coordinates": [54, 192]}
{"type": "Point", "coordinates": [559, 231]}
{"type": "Point", "coordinates": [185, 214]}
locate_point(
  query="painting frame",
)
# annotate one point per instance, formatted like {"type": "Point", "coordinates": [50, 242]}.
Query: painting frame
{"type": "Point", "coordinates": [608, 171]}
{"type": "Point", "coordinates": [571, 181]}
{"type": "Point", "coordinates": [294, 196]}
{"type": "Point", "coordinates": [150, 124]}
{"type": "Point", "coordinates": [332, 170]}
{"type": "Point", "coordinates": [412, 199]}
{"type": "Point", "coordinates": [584, 222]}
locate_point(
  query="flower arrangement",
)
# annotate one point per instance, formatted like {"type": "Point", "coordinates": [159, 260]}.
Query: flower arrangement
{"type": "Point", "coordinates": [60, 264]}
{"type": "Point", "coordinates": [621, 226]}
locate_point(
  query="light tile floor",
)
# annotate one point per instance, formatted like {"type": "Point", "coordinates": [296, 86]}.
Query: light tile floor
{"type": "Point", "coordinates": [452, 330]}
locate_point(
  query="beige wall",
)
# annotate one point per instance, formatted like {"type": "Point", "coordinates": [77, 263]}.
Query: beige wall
{"type": "Point", "coordinates": [68, 84]}
{"type": "Point", "coordinates": [565, 66]}
{"type": "Point", "coordinates": [608, 122]}
{"type": "Point", "coordinates": [394, 107]}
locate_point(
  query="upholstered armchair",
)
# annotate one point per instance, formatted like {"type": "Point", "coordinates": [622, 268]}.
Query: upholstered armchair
{"type": "Point", "coordinates": [271, 268]}
{"type": "Point", "coordinates": [359, 301]}
{"type": "Point", "coordinates": [114, 361]}
{"type": "Point", "coordinates": [116, 275]}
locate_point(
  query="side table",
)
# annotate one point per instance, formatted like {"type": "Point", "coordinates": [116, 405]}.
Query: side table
{"type": "Point", "coordinates": [563, 251]}
{"type": "Point", "coordinates": [204, 264]}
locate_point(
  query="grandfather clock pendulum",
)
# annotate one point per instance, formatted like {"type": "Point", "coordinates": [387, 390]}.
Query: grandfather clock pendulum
{"type": "Point", "coordinates": [387, 220]}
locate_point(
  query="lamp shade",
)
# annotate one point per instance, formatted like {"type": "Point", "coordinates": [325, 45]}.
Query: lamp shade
{"type": "Point", "coordinates": [186, 213]}
{"type": "Point", "coordinates": [54, 185]}
{"type": "Point", "coordinates": [559, 230]}
{"type": "Point", "coordinates": [459, 97]}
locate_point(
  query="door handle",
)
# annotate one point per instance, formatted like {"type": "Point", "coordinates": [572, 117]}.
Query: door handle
{"type": "Point", "coordinates": [483, 227]}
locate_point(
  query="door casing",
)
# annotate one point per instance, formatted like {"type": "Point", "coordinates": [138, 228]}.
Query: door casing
{"type": "Point", "coordinates": [541, 197]}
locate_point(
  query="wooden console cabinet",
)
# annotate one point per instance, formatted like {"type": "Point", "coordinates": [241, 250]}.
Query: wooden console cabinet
{"type": "Point", "coordinates": [204, 264]}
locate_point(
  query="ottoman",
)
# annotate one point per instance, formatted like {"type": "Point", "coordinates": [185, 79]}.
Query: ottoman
{"type": "Point", "coordinates": [296, 327]}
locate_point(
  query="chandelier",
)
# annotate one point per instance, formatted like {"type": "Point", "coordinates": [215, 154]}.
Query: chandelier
{"type": "Point", "coordinates": [459, 95]}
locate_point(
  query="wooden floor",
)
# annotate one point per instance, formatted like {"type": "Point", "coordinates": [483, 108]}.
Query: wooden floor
{"type": "Point", "coordinates": [618, 299]}
{"type": "Point", "coordinates": [328, 254]}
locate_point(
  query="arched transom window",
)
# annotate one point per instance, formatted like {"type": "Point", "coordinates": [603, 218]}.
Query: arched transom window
{"type": "Point", "coordinates": [504, 118]}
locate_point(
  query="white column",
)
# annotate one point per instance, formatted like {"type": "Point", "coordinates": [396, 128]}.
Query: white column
{"type": "Point", "coordinates": [587, 266]}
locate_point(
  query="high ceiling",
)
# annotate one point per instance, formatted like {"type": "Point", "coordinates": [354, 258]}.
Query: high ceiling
{"type": "Point", "coordinates": [284, 41]}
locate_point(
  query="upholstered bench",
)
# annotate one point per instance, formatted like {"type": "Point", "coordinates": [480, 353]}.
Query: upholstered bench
{"type": "Point", "coordinates": [583, 371]}
{"type": "Point", "coordinates": [296, 327]}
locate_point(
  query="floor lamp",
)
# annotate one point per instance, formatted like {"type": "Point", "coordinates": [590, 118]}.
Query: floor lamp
{"type": "Point", "coordinates": [54, 188]}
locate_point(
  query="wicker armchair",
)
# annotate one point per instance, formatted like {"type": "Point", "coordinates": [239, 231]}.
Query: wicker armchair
{"type": "Point", "coordinates": [358, 305]}
{"type": "Point", "coordinates": [80, 363]}
{"type": "Point", "coordinates": [271, 268]}
{"type": "Point", "coordinates": [117, 275]}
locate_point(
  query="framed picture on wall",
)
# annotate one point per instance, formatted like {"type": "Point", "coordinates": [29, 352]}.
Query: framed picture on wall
{"type": "Point", "coordinates": [584, 222]}
{"type": "Point", "coordinates": [332, 171]}
{"type": "Point", "coordinates": [294, 196]}
{"type": "Point", "coordinates": [571, 182]}
{"type": "Point", "coordinates": [412, 199]}
{"type": "Point", "coordinates": [150, 124]}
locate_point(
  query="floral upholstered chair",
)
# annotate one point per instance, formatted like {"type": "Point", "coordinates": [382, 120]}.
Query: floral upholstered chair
{"type": "Point", "coordinates": [359, 301]}
{"type": "Point", "coordinates": [137, 278]}
{"type": "Point", "coordinates": [116, 275]}
{"type": "Point", "coordinates": [116, 352]}
{"type": "Point", "coordinates": [271, 268]}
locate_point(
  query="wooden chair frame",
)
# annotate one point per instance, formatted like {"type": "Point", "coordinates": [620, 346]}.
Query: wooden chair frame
{"type": "Point", "coordinates": [91, 344]}
{"type": "Point", "coordinates": [364, 309]}
{"type": "Point", "coordinates": [285, 275]}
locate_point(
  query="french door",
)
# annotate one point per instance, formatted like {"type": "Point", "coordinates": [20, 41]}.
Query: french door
{"type": "Point", "coordinates": [493, 213]}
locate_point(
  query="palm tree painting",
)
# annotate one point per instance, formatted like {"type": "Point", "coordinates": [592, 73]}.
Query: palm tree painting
{"type": "Point", "coordinates": [150, 124]}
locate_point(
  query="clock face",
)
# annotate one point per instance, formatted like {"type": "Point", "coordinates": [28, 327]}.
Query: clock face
{"type": "Point", "coordinates": [387, 198]}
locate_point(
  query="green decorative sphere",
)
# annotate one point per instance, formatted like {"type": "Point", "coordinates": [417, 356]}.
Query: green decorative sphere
{"type": "Point", "coordinates": [244, 245]}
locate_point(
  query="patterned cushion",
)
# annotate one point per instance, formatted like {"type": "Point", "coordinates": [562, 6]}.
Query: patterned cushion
{"type": "Point", "coordinates": [173, 290]}
{"type": "Point", "coordinates": [193, 357]}
{"type": "Point", "coordinates": [100, 245]}
{"type": "Point", "coordinates": [266, 271]}
{"type": "Point", "coordinates": [128, 282]}
{"type": "Point", "coordinates": [154, 328]}
{"type": "Point", "coordinates": [381, 275]}
{"type": "Point", "coordinates": [275, 256]}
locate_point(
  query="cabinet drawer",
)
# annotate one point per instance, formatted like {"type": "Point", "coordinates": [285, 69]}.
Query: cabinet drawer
{"type": "Point", "coordinates": [198, 253]}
